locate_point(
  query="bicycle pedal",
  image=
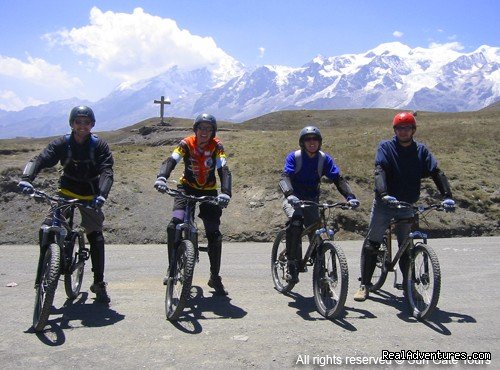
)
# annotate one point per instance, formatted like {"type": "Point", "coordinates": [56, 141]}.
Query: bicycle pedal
{"type": "Point", "coordinates": [85, 253]}
{"type": "Point", "coordinates": [203, 249]}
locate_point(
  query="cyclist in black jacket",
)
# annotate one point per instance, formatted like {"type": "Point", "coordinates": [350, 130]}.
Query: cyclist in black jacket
{"type": "Point", "coordinates": [400, 165]}
{"type": "Point", "coordinates": [87, 174]}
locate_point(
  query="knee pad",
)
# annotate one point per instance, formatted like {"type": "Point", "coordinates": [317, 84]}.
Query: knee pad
{"type": "Point", "coordinates": [96, 238]}
{"type": "Point", "coordinates": [214, 237]}
{"type": "Point", "coordinates": [371, 247]}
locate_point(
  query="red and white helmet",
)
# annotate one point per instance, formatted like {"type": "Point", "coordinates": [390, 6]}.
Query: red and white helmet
{"type": "Point", "coordinates": [404, 118]}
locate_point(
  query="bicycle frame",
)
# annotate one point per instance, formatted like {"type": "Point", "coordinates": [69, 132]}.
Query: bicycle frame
{"type": "Point", "coordinates": [61, 229]}
{"type": "Point", "coordinates": [409, 241]}
{"type": "Point", "coordinates": [320, 229]}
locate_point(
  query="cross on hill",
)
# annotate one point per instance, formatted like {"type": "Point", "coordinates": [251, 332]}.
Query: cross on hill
{"type": "Point", "coordinates": [162, 103]}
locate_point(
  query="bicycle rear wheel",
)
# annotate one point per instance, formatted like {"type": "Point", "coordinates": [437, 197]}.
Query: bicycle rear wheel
{"type": "Point", "coordinates": [73, 278]}
{"type": "Point", "coordinates": [424, 283]}
{"type": "Point", "coordinates": [330, 280]}
{"type": "Point", "coordinates": [381, 271]}
{"type": "Point", "coordinates": [179, 284]}
{"type": "Point", "coordinates": [279, 262]}
{"type": "Point", "coordinates": [46, 290]}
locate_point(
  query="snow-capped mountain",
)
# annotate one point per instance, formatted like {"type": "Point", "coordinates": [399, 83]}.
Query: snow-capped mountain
{"type": "Point", "coordinates": [389, 76]}
{"type": "Point", "coordinates": [392, 75]}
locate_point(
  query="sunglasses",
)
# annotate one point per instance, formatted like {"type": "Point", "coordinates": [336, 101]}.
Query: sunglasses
{"type": "Point", "coordinates": [404, 128]}
{"type": "Point", "coordinates": [83, 122]}
{"type": "Point", "coordinates": [311, 138]}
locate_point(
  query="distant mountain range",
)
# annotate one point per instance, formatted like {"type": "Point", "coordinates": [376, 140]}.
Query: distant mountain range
{"type": "Point", "coordinates": [392, 75]}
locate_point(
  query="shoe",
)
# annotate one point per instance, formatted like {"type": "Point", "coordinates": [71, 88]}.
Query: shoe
{"type": "Point", "coordinates": [361, 294]}
{"type": "Point", "coordinates": [101, 295]}
{"type": "Point", "coordinates": [215, 282]}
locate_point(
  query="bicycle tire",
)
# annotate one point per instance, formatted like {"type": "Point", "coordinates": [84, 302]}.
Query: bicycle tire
{"type": "Point", "coordinates": [279, 262]}
{"type": "Point", "coordinates": [330, 280]}
{"type": "Point", "coordinates": [424, 283]}
{"type": "Point", "coordinates": [179, 286]}
{"type": "Point", "coordinates": [73, 279]}
{"type": "Point", "coordinates": [46, 290]}
{"type": "Point", "coordinates": [381, 268]}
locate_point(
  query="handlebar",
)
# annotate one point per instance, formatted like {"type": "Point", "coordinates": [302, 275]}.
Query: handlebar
{"type": "Point", "coordinates": [202, 198]}
{"type": "Point", "coordinates": [328, 204]}
{"type": "Point", "coordinates": [418, 208]}
{"type": "Point", "coordinates": [61, 201]}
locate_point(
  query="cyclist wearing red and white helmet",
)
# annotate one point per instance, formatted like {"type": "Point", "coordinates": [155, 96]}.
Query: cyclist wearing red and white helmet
{"type": "Point", "coordinates": [400, 165]}
{"type": "Point", "coordinates": [203, 156]}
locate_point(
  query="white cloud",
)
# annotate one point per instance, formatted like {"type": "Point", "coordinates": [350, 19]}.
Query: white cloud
{"type": "Point", "coordinates": [37, 71]}
{"type": "Point", "coordinates": [10, 101]}
{"type": "Point", "coordinates": [262, 51]}
{"type": "Point", "coordinates": [454, 46]}
{"type": "Point", "coordinates": [397, 34]}
{"type": "Point", "coordinates": [135, 46]}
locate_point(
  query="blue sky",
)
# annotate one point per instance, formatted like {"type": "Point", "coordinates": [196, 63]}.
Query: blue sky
{"type": "Point", "coordinates": [51, 50]}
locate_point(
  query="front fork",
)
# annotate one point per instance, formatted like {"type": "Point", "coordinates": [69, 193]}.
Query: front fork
{"type": "Point", "coordinates": [183, 231]}
{"type": "Point", "coordinates": [412, 236]}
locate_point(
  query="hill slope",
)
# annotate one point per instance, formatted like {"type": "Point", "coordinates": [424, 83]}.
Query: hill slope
{"type": "Point", "coordinates": [466, 144]}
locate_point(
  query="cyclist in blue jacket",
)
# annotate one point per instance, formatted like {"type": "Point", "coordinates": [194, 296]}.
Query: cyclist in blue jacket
{"type": "Point", "coordinates": [400, 165]}
{"type": "Point", "coordinates": [300, 180]}
{"type": "Point", "coordinates": [87, 174]}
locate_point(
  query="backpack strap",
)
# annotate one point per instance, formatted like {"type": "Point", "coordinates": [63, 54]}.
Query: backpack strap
{"type": "Point", "coordinates": [93, 145]}
{"type": "Point", "coordinates": [298, 161]}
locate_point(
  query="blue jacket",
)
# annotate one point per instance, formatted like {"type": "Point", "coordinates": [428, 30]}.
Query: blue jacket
{"type": "Point", "coordinates": [306, 182]}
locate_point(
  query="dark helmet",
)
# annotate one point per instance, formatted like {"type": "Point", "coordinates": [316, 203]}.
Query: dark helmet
{"type": "Point", "coordinates": [310, 130]}
{"type": "Point", "coordinates": [81, 111]}
{"type": "Point", "coordinates": [404, 118]}
{"type": "Point", "coordinates": [208, 118]}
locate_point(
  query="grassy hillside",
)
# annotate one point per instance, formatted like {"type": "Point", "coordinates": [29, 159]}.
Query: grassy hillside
{"type": "Point", "coordinates": [466, 145]}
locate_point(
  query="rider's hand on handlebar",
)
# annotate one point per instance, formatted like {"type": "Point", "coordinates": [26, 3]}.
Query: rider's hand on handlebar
{"type": "Point", "coordinates": [26, 187]}
{"type": "Point", "coordinates": [353, 203]}
{"type": "Point", "coordinates": [293, 200]}
{"type": "Point", "coordinates": [448, 205]}
{"type": "Point", "coordinates": [98, 202]}
{"type": "Point", "coordinates": [389, 200]}
{"type": "Point", "coordinates": [161, 184]}
{"type": "Point", "coordinates": [223, 200]}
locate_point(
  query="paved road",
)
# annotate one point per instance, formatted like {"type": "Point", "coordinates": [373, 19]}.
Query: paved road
{"type": "Point", "coordinates": [255, 326]}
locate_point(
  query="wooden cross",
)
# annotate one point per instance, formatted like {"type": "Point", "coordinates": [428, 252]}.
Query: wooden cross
{"type": "Point", "coordinates": [162, 103]}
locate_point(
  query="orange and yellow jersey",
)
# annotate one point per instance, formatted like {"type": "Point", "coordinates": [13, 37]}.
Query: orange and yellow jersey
{"type": "Point", "coordinates": [200, 165]}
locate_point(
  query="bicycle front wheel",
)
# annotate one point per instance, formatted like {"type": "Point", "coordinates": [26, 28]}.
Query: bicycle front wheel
{"type": "Point", "coordinates": [424, 281]}
{"type": "Point", "coordinates": [179, 282]}
{"type": "Point", "coordinates": [74, 277]}
{"type": "Point", "coordinates": [279, 262]}
{"type": "Point", "coordinates": [46, 290]}
{"type": "Point", "coordinates": [330, 280]}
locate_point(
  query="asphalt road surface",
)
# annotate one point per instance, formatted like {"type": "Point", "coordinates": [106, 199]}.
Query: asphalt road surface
{"type": "Point", "coordinates": [255, 326]}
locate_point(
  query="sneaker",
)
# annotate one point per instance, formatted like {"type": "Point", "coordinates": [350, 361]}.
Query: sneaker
{"type": "Point", "coordinates": [215, 282]}
{"type": "Point", "coordinates": [361, 294]}
{"type": "Point", "coordinates": [101, 295]}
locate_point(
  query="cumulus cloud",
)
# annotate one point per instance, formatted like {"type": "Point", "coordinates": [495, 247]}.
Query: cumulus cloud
{"type": "Point", "coordinates": [397, 34]}
{"type": "Point", "coordinates": [38, 72]}
{"type": "Point", "coordinates": [139, 45]}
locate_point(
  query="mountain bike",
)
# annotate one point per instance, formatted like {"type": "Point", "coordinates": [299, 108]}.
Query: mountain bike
{"type": "Point", "coordinates": [423, 285]}
{"type": "Point", "coordinates": [60, 257]}
{"type": "Point", "coordinates": [184, 255]}
{"type": "Point", "coordinates": [330, 272]}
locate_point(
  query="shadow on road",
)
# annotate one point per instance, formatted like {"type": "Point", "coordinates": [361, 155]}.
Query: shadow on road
{"type": "Point", "coordinates": [198, 304]}
{"type": "Point", "coordinates": [436, 320]}
{"type": "Point", "coordinates": [90, 314]}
